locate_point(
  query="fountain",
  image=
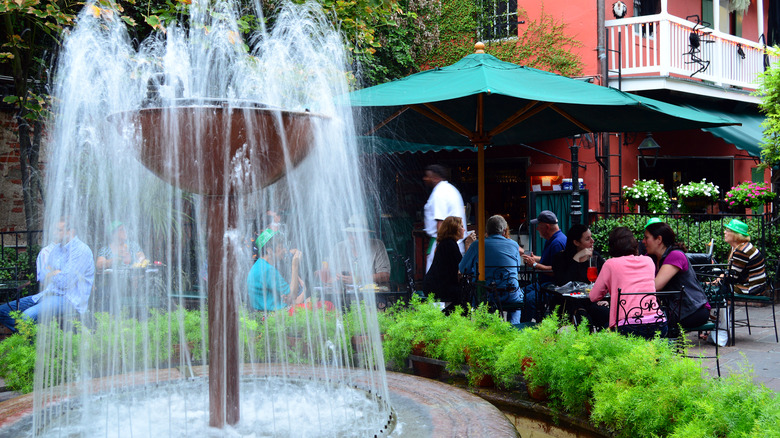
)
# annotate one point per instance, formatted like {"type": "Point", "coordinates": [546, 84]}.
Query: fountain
{"type": "Point", "coordinates": [168, 136]}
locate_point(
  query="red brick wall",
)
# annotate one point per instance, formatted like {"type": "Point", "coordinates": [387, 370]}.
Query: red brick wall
{"type": "Point", "coordinates": [11, 201]}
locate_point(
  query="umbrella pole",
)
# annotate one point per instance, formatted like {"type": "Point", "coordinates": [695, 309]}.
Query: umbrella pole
{"type": "Point", "coordinates": [481, 208]}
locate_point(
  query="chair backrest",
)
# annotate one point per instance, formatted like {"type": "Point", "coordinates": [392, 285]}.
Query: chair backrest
{"type": "Point", "coordinates": [774, 281]}
{"type": "Point", "coordinates": [501, 275]}
{"type": "Point", "coordinates": [639, 308]}
{"type": "Point", "coordinates": [411, 286]}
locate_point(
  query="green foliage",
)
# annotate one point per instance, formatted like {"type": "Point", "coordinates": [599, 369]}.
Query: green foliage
{"type": "Point", "coordinates": [10, 258]}
{"type": "Point", "coordinates": [695, 235]}
{"type": "Point", "coordinates": [543, 43]}
{"type": "Point", "coordinates": [631, 386]}
{"type": "Point", "coordinates": [476, 341]}
{"type": "Point", "coordinates": [17, 356]}
{"type": "Point", "coordinates": [769, 91]}
{"type": "Point", "coordinates": [408, 35]}
{"type": "Point", "coordinates": [422, 322]}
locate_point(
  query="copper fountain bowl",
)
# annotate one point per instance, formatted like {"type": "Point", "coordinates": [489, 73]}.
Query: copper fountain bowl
{"type": "Point", "coordinates": [221, 149]}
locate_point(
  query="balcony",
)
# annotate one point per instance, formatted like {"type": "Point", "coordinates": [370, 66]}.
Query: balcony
{"type": "Point", "coordinates": [659, 52]}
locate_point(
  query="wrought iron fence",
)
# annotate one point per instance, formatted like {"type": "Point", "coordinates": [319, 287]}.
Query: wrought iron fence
{"type": "Point", "coordinates": [696, 230]}
{"type": "Point", "coordinates": [19, 249]}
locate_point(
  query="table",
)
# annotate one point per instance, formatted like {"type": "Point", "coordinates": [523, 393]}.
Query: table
{"type": "Point", "coordinates": [343, 295]}
{"type": "Point", "coordinates": [12, 289]}
{"type": "Point", "coordinates": [570, 299]}
{"type": "Point", "coordinates": [127, 289]}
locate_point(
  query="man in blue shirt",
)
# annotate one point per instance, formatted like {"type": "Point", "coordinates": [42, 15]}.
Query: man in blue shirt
{"type": "Point", "coordinates": [67, 279]}
{"type": "Point", "coordinates": [502, 258]}
{"type": "Point", "coordinates": [555, 241]}
{"type": "Point", "coordinates": [268, 289]}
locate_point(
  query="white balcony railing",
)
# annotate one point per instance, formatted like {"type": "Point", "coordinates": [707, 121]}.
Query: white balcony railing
{"type": "Point", "coordinates": [660, 45]}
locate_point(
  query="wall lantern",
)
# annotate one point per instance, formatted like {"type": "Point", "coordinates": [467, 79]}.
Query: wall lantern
{"type": "Point", "coordinates": [648, 150]}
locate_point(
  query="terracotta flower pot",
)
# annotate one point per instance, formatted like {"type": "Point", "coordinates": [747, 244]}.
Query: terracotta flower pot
{"type": "Point", "coordinates": [427, 370]}
{"type": "Point", "coordinates": [418, 349]}
{"type": "Point", "coordinates": [538, 393]}
{"type": "Point", "coordinates": [486, 381]}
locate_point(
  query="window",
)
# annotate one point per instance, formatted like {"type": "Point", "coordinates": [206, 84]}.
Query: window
{"type": "Point", "coordinates": [730, 22]}
{"type": "Point", "coordinates": [497, 19]}
{"type": "Point", "coordinates": [646, 7]}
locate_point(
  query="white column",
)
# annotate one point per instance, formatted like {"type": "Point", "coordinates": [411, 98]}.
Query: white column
{"type": "Point", "coordinates": [716, 64]}
{"type": "Point", "coordinates": [760, 15]}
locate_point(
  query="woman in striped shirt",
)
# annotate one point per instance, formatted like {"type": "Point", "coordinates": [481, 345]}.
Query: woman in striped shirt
{"type": "Point", "coordinates": [746, 262]}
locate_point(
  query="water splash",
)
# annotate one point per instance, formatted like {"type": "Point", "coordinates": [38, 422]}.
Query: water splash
{"type": "Point", "coordinates": [95, 177]}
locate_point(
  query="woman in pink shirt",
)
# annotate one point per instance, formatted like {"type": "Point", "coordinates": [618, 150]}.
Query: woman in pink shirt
{"type": "Point", "coordinates": [630, 273]}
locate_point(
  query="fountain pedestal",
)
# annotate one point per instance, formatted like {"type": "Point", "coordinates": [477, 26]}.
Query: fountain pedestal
{"type": "Point", "coordinates": [223, 322]}
{"type": "Point", "coordinates": [222, 152]}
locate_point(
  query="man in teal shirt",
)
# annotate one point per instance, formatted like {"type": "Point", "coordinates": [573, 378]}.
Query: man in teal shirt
{"type": "Point", "coordinates": [268, 289]}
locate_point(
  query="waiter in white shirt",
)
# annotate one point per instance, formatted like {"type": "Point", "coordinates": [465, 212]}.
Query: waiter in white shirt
{"type": "Point", "coordinates": [445, 200]}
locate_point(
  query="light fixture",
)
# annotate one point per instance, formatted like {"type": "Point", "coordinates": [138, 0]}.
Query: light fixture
{"type": "Point", "coordinates": [648, 150]}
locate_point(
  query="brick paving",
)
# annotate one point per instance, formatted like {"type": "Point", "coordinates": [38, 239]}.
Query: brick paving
{"type": "Point", "coordinates": [758, 350]}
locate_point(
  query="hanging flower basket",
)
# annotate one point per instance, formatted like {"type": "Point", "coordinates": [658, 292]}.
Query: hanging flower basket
{"type": "Point", "coordinates": [751, 195]}
{"type": "Point", "coordinates": [695, 197]}
{"type": "Point", "coordinates": [648, 195]}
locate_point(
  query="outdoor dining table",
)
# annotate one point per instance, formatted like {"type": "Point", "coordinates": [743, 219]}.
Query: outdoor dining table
{"type": "Point", "coordinates": [12, 289]}
{"type": "Point", "coordinates": [126, 288]}
{"type": "Point", "coordinates": [343, 295]}
{"type": "Point", "coordinates": [570, 298]}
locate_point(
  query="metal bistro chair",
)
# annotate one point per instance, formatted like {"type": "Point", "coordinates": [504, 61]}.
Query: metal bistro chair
{"type": "Point", "coordinates": [650, 315]}
{"type": "Point", "coordinates": [773, 284]}
{"type": "Point", "coordinates": [411, 284]}
{"type": "Point", "coordinates": [501, 275]}
{"type": "Point", "coordinates": [10, 286]}
{"type": "Point", "coordinates": [718, 298]}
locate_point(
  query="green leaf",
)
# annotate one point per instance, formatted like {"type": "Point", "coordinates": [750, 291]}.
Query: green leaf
{"type": "Point", "coordinates": [152, 20]}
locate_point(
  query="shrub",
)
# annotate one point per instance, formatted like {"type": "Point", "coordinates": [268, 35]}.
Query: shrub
{"type": "Point", "coordinates": [17, 356]}
{"type": "Point", "coordinates": [422, 322]}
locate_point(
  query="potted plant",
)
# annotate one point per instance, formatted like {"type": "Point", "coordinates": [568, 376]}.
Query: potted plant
{"type": "Point", "coordinates": [649, 195]}
{"type": "Point", "coordinates": [476, 340]}
{"type": "Point", "coordinates": [529, 355]}
{"type": "Point", "coordinates": [749, 194]}
{"type": "Point", "coordinates": [419, 327]}
{"type": "Point", "coordinates": [695, 196]}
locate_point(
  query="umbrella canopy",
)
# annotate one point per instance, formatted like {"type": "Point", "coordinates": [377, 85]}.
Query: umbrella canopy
{"type": "Point", "coordinates": [519, 105]}
{"type": "Point", "coordinates": [481, 100]}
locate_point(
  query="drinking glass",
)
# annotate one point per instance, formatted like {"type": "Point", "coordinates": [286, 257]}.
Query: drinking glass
{"type": "Point", "coordinates": [593, 273]}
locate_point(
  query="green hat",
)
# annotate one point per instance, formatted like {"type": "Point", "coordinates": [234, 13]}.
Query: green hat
{"type": "Point", "coordinates": [115, 225]}
{"type": "Point", "coordinates": [264, 237]}
{"type": "Point", "coordinates": [738, 227]}
{"type": "Point", "coordinates": [653, 220]}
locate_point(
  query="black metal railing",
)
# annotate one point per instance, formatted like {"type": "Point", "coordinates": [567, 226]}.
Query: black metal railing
{"type": "Point", "coordinates": [19, 249]}
{"type": "Point", "coordinates": [697, 230]}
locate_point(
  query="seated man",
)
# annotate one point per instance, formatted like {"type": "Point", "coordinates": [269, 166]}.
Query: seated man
{"type": "Point", "coordinates": [268, 289]}
{"type": "Point", "coordinates": [346, 254]}
{"type": "Point", "coordinates": [554, 242]}
{"type": "Point", "coordinates": [500, 251]}
{"type": "Point", "coordinates": [68, 275]}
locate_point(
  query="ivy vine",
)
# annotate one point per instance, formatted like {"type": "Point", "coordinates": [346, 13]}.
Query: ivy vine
{"type": "Point", "coordinates": [543, 43]}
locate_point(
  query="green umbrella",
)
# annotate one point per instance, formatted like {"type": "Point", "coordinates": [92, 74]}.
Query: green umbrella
{"type": "Point", "coordinates": [481, 100]}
